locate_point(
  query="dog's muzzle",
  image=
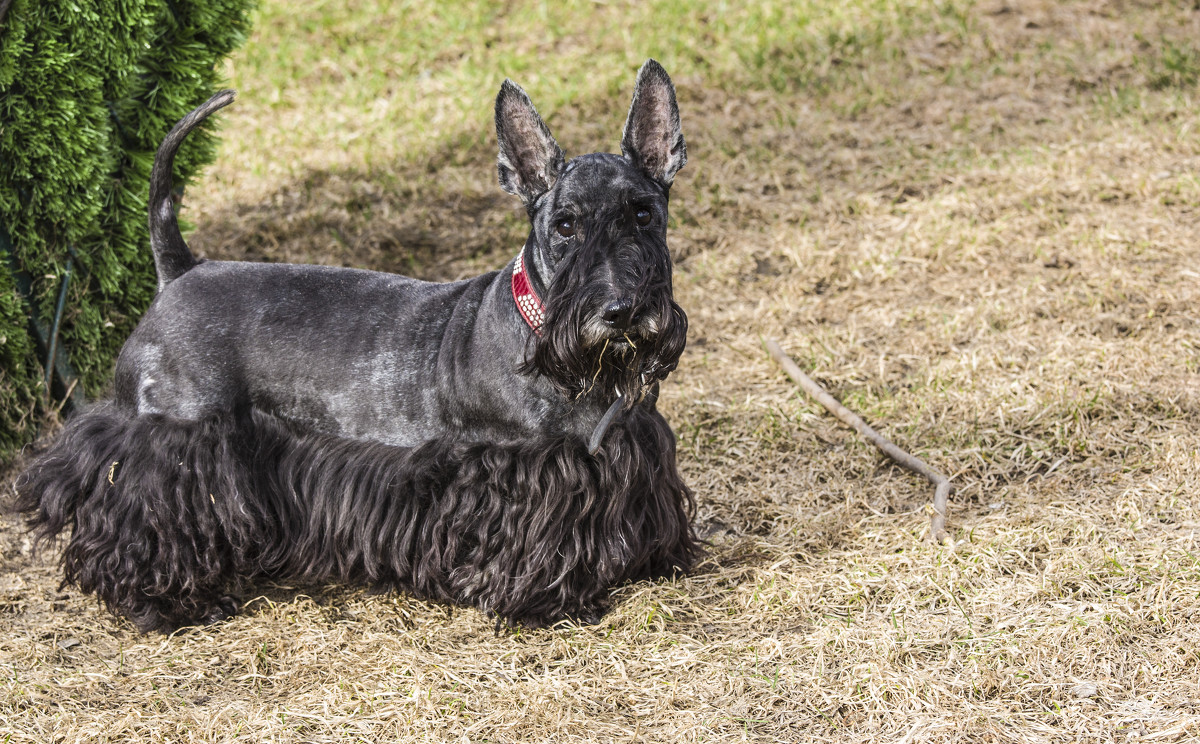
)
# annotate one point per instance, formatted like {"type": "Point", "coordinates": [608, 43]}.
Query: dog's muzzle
{"type": "Point", "coordinates": [621, 324]}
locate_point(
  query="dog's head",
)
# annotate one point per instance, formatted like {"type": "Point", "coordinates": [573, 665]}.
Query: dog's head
{"type": "Point", "coordinates": [597, 251]}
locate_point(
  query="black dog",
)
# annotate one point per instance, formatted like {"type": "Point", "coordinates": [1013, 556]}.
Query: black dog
{"type": "Point", "coordinates": [462, 441]}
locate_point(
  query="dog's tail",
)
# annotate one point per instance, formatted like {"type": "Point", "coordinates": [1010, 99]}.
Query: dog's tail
{"type": "Point", "coordinates": [171, 254]}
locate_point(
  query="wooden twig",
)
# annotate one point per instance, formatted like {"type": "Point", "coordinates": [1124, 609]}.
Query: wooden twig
{"type": "Point", "coordinates": [942, 487]}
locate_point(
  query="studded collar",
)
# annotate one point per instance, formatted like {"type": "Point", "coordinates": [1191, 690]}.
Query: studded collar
{"type": "Point", "coordinates": [528, 303]}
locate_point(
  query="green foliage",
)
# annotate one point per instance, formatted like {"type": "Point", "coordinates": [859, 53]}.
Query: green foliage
{"type": "Point", "coordinates": [87, 90]}
{"type": "Point", "coordinates": [18, 375]}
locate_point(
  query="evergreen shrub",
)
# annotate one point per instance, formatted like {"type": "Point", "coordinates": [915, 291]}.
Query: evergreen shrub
{"type": "Point", "coordinates": [88, 88]}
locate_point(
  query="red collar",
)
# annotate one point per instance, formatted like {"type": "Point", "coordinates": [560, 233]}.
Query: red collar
{"type": "Point", "coordinates": [530, 305]}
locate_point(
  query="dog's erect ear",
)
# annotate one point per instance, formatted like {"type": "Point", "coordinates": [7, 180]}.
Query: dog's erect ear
{"type": "Point", "coordinates": [653, 139]}
{"type": "Point", "coordinates": [530, 160]}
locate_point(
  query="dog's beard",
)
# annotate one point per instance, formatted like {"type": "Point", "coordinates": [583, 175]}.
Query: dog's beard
{"type": "Point", "coordinates": [581, 355]}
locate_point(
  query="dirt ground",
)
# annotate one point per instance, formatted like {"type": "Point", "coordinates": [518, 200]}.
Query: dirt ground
{"type": "Point", "coordinates": [976, 224]}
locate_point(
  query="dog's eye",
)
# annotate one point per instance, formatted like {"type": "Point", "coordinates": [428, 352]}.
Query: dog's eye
{"type": "Point", "coordinates": [643, 216]}
{"type": "Point", "coordinates": [565, 228]}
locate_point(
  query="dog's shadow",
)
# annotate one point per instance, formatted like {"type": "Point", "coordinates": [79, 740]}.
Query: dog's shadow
{"type": "Point", "coordinates": [438, 215]}
{"type": "Point", "coordinates": [332, 603]}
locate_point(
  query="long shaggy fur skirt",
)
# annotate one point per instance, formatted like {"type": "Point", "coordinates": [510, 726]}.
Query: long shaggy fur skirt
{"type": "Point", "coordinates": [168, 517]}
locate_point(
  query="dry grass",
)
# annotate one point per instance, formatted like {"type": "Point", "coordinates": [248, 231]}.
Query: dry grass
{"type": "Point", "coordinates": [978, 227]}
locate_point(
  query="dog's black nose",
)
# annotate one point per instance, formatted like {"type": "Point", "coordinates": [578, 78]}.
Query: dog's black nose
{"type": "Point", "coordinates": [619, 314]}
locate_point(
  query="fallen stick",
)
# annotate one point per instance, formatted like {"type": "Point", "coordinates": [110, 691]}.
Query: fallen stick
{"type": "Point", "coordinates": [942, 487]}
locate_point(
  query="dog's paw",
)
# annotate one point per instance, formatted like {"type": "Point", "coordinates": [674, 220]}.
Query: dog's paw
{"type": "Point", "coordinates": [223, 608]}
{"type": "Point", "coordinates": [591, 615]}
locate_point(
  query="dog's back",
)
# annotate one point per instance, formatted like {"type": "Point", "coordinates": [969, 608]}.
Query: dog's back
{"type": "Point", "coordinates": [340, 350]}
